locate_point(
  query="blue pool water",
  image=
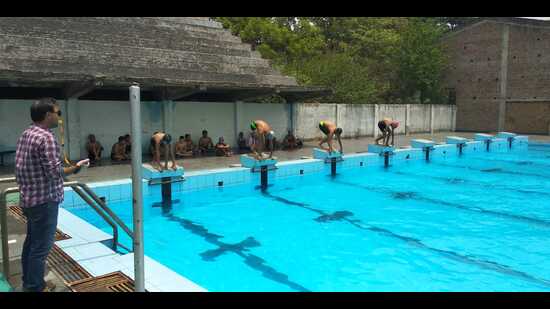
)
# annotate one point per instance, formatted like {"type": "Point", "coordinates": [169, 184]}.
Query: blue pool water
{"type": "Point", "coordinates": [474, 223]}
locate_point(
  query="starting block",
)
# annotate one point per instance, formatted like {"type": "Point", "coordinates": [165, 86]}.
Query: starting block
{"type": "Point", "coordinates": [422, 143]}
{"type": "Point", "coordinates": [251, 162]}
{"type": "Point", "coordinates": [456, 140]}
{"type": "Point", "coordinates": [150, 173]}
{"type": "Point", "coordinates": [483, 137]}
{"type": "Point", "coordinates": [379, 149]}
{"type": "Point", "coordinates": [325, 155]}
{"type": "Point", "coordinates": [506, 135]}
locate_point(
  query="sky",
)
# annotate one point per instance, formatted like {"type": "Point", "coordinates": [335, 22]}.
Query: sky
{"type": "Point", "coordinates": [543, 18]}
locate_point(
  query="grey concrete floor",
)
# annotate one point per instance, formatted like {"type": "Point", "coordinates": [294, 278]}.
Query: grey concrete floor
{"type": "Point", "coordinates": [109, 171]}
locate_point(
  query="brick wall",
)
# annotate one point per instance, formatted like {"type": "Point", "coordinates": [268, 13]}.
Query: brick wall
{"type": "Point", "coordinates": [475, 72]}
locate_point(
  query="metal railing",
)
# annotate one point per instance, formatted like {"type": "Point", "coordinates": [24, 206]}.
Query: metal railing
{"type": "Point", "coordinates": [85, 193]}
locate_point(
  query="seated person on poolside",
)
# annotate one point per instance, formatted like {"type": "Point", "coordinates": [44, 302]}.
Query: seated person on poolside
{"type": "Point", "coordinates": [162, 141]}
{"type": "Point", "coordinates": [181, 148]}
{"type": "Point", "coordinates": [128, 148]}
{"type": "Point", "coordinates": [242, 143]}
{"type": "Point", "coordinates": [190, 146]}
{"type": "Point", "coordinates": [222, 149]}
{"type": "Point", "coordinates": [291, 142]}
{"type": "Point", "coordinates": [386, 126]}
{"type": "Point", "coordinates": [205, 143]}
{"type": "Point", "coordinates": [94, 149]}
{"type": "Point", "coordinates": [118, 152]}
{"type": "Point", "coordinates": [330, 130]}
{"type": "Point", "coordinates": [263, 137]}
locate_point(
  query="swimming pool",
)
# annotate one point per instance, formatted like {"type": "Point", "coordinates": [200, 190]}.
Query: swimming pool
{"type": "Point", "coordinates": [478, 222]}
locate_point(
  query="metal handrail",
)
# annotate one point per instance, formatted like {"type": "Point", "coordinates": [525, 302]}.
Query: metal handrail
{"type": "Point", "coordinates": [79, 188]}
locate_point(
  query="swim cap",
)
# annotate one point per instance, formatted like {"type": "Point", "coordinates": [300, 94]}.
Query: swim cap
{"type": "Point", "coordinates": [395, 124]}
{"type": "Point", "coordinates": [253, 125]}
{"type": "Point", "coordinates": [322, 123]}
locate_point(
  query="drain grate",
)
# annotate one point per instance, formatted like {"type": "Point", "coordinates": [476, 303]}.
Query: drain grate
{"type": "Point", "coordinates": [65, 267]}
{"type": "Point", "coordinates": [17, 212]}
{"type": "Point", "coordinates": [111, 282]}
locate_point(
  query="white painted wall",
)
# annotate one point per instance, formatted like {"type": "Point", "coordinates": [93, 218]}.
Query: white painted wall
{"type": "Point", "coordinates": [110, 119]}
{"type": "Point", "coordinates": [193, 117]}
{"type": "Point", "coordinates": [420, 118]}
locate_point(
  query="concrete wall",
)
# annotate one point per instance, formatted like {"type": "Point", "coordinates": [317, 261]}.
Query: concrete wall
{"type": "Point", "coordinates": [110, 119]}
{"type": "Point", "coordinates": [193, 117]}
{"type": "Point", "coordinates": [308, 116]}
{"type": "Point", "coordinates": [362, 119]}
{"type": "Point", "coordinates": [420, 118]}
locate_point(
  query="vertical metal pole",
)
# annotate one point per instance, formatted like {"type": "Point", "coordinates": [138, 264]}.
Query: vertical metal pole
{"type": "Point", "coordinates": [386, 159]}
{"type": "Point", "coordinates": [460, 149]}
{"type": "Point", "coordinates": [427, 149]}
{"type": "Point", "coordinates": [488, 142]}
{"type": "Point", "coordinates": [4, 232]}
{"type": "Point", "coordinates": [333, 166]}
{"type": "Point", "coordinates": [137, 197]}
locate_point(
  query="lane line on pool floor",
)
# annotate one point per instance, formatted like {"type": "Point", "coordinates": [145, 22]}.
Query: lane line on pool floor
{"type": "Point", "coordinates": [403, 195]}
{"type": "Point", "coordinates": [463, 181]}
{"type": "Point", "coordinates": [486, 264]}
{"type": "Point", "coordinates": [251, 260]}
{"type": "Point", "coordinates": [492, 170]}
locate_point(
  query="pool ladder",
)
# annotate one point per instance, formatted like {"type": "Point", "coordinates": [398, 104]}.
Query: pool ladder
{"type": "Point", "coordinates": [85, 193]}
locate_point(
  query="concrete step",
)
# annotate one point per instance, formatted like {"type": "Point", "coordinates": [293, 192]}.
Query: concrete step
{"type": "Point", "coordinates": [167, 75]}
{"type": "Point", "coordinates": [156, 38]}
{"type": "Point", "coordinates": [43, 47]}
{"type": "Point", "coordinates": [88, 26]}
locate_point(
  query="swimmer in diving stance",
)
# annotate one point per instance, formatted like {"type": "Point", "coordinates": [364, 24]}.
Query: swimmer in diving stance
{"type": "Point", "coordinates": [330, 130]}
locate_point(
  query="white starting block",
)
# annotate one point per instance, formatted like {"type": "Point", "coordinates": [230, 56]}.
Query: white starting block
{"type": "Point", "coordinates": [251, 162]}
{"type": "Point", "coordinates": [483, 137]}
{"type": "Point", "coordinates": [379, 149]}
{"type": "Point", "coordinates": [324, 155]}
{"type": "Point", "coordinates": [506, 135]}
{"type": "Point", "coordinates": [422, 143]}
{"type": "Point", "coordinates": [456, 140]}
{"type": "Point", "coordinates": [149, 172]}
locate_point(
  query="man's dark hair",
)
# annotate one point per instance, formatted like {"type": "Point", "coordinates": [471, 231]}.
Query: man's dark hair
{"type": "Point", "coordinates": [204, 131]}
{"type": "Point", "coordinates": [120, 138]}
{"type": "Point", "coordinates": [41, 107]}
{"type": "Point", "coordinates": [181, 137]}
{"type": "Point", "coordinates": [186, 135]}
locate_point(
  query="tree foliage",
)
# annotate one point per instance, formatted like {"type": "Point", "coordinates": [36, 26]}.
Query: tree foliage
{"type": "Point", "coordinates": [363, 59]}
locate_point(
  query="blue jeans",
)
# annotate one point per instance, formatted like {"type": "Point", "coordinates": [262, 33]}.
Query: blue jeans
{"type": "Point", "coordinates": [41, 227]}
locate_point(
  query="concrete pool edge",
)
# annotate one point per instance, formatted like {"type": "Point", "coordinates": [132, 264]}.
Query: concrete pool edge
{"type": "Point", "coordinates": [86, 247]}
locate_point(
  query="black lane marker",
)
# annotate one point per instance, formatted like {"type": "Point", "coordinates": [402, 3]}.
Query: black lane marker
{"type": "Point", "coordinates": [467, 259]}
{"type": "Point", "coordinates": [458, 180]}
{"type": "Point", "coordinates": [416, 196]}
{"type": "Point", "coordinates": [522, 163]}
{"type": "Point", "coordinates": [240, 248]}
{"type": "Point", "coordinates": [494, 170]}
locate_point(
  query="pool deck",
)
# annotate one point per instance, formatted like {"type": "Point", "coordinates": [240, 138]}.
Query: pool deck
{"type": "Point", "coordinates": [109, 171]}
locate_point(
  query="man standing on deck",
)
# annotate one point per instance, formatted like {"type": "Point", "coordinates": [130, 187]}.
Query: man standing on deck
{"type": "Point", "coordinates": [39, 173]}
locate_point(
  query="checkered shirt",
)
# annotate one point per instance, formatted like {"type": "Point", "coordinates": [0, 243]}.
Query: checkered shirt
{"type": "Point", "coordinates": [38, 167]}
